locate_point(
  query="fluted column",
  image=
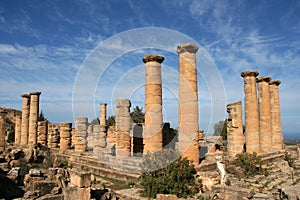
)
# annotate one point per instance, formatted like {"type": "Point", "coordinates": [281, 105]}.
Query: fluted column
{"type": "Point", "coordinates": [265, 128]}
{"type": "Point", "coordinates": [2, 130]}
{"type": "Point", "coordinates": [277, 137]}
{"type": "Point", "coordinates": [25, 118]}
{"type": "Point", "coordinates": [153, 140]}
{"type": "Point", "coordinates": [18, 126]}
{"type": "Point", "coordinates": [235, 136]}
{"type": "Point", "coordinates": [122, 128]}
{"type": "Point", "coordinates": [33, 118]}
{"type": "Point", "coordinates": [251, 111]}
{"type": "Point", "coordinates": [103, 114]}
{"type": "Point", "coordinates": [188, 117]}
{"type": "Point", "coordinates": [65, 135]}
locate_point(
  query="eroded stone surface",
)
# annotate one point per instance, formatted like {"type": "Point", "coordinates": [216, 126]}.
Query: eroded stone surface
{"type": "Point", "coordinates": [33, 118]}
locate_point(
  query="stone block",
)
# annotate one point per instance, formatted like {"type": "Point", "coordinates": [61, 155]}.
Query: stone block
{"type": "Point", "coordinates": [77, 193]}
{"type": "Point", "coordinates": [80, 179]}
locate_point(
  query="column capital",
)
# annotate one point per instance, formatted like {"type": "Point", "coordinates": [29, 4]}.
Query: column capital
{"type": "Point", "coordinates": [263, 79]}
{"type": "Point", "coordinates": [187, 47]}
{"type": "Point", "coordinates": [153, 58]}
{"type": "Point", "coordinates": [25, 95]}
{"type": "Point", "coordinates": [35, 93]}
{"type": "Point", "coordinates": [230, 105]}
{"type": "Point", "coordinates": [249, 73]}
{"type": "Point", "coordinates": [103, 104]}
{"type": "Point", "coordinates": [275, 82]}
{"type": "Point", "coordinates": [3, 113]}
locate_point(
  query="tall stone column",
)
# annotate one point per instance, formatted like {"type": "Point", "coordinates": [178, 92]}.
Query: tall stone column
{"type": "Point", "coordinates": [65, 135]}
{"type": "Point", "coordinates": [18, 126]}
{"type": "Point", "coordinates": [2, 130]}
{"type": "Point", "coordinates": [100, 132]}
{"type": "Point", "coordinates": [235, 136]}
{"type": "Point", "coordinates": [25, 118]}
{"type": "Point", "coordinates": [42, 132]}
{"type": "Point", "coordinates": [122, 128]}
{"type": "Point", "coordinates": [188, 117]}
{"type": "Point", "coordinates": [33, 118]}
{"type": "Point", "coordinates": [265, 128]}
{"type": "Point", "coordinates": [251, 111]}
{"type": "Point", "coordinates": [103, 114]}
{"type": "Point", "coordinates": [80, 142]}
{"type": "Point", "coordinates": [277, 137]}
{"type": "Point", "coordinates": [152, 135]}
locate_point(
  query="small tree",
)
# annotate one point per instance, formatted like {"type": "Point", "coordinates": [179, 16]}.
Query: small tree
{"type": "Point", "coordinates": [110, 121]}
{"type": "Point", "coordinates": [41, 116]}
{"type": "Point", "coordinates": [166, 172]}
{"type": "Point", "coordinates": [220, 129]}
{"type": "Point", "coordinates": [137, 115]}
{"type": "Point", "coordinates": [95, 121]}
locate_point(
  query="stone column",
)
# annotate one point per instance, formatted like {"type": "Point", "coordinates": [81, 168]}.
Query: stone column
{"type": "Point", "coordinates": [188, 117]}
{"type": "Point", "coordinates": [265, 128]}
{"type": "Point", "coordinates": [80, 142]}
{"type": "Point", "coordinates": [25, 119]}
{"type": "Point", "coordinates": [251, 111]}
{"type": "Point", "coordinates": [65, 135]}
{"type": "Point", "coordinates": [18, 126]}
{"type": "Point", "coordinates": [122, 128]}
{"type": "Point", "coordinates": [53, 135]}
{"type": "Point", "coordinates": [42, 132]}
{"type": "Point", "coordinates": [153, 140]}
{"type": "Point", "coordinates": [235, 136]}
{"type": "Point", "coordinates": [90, 137]}
{"type": "Point", "coordinates": [33, 118]}
{"type": "Point", "coordinates": [277, 137]}
{"type": "Point", "coordinates": [2, 130]}
{"type": "Point", "coordinates": [100, 132]}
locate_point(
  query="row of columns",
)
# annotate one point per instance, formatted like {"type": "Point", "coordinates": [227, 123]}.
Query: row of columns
{"type": "Point", "coordinates": [262, 116]}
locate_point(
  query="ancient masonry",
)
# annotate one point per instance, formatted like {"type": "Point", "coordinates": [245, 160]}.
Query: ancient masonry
{"type": "Point", "coordinates": [235, 135]}
{"type": "Point", "coordinates": [53, 136]}
{"type": "Point", "coordinates": [80, 142]}
{"type": "Point", "coordinates": [264, 114]}
{"type": "Point", "coordinates": [277, 137]}
{"type": "Point", "coordinates": [100, 132]}
{"type": "Point", "coordinates": [65, 135]}
{"type": "Point", "coordinates": [123, 127]}
{"type": "Point", "coordinates": [18, 130]}
{"type": "Point", "coordinates": [153, 139]}
{"type": "Point", "coordinates": [25, 118]}
{"type": "Point", "coordinates": [251, 111]}
{"type": "Point", "coordinates": [33, 118]}
{"type": "Point", "coordinates": [42, 132]}
{"type": "Point", "coordinates": [188, 102]}
{"type": "Point", "coordinates": [2, 130]}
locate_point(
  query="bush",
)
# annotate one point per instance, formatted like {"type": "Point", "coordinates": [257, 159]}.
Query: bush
{"type": "Point", "coordinates": [166, 172]}
{"type": "Point", "coordinates": [289, 159]}
{"type": "Point", "coordinates": [250, 164]}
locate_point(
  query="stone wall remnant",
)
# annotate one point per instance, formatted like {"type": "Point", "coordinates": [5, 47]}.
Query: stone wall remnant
{"type": "Point", "coordinates": [80, 142]}
{"type": "Point", "coordinates": [235, 136]}
{"type": "Point", "coordinates": [2, 130]}
{"type": "Point", "coordinates": [122, 127]}
{"type": "Point", "coordinates": [277, 137]}
{"type": "Point", "coordinates": [42, 132]}
{"type": "Point", "coordinates": [251, 111]}
{"type": "Point", "coordinates": [53, 135]}
{"type": "Point", "coordinates": [152, 134]}
{"type": "Point", "coordinates": [265, 129]}
{"type": "Point", "coordinates": [33, 118]}
{"type": "Point", "coordinates": [188, 117]}
{"type": "Point", "coordinates": [25, 118]}
{"type": "Point", "coordinates": [65, 132]}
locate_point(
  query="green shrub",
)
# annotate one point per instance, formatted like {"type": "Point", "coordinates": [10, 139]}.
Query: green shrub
{"type": "Point", "coordinates": [165, 172]}
{"type": "Point", "coordinates": [250, 164]}
{"type": "Point", "coordinates": [289, 159]}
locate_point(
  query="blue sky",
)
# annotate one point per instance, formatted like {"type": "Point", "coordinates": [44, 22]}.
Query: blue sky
{"type": "Point", "coordinates": [81, 53]}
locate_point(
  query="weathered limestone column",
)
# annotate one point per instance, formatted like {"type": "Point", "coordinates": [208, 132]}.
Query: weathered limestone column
{"type": "Point", "coordinates": [100, 132]}
{"type": "Point", "coordinates": [153, 140]}
{"type": "Point", "coordinates": [122, 128]}
{"type": "Point", "coordinates": [42, 131]}
{"type": "Point", "coordinates": [277, 137]}
{"type": "Point", "coordinates": [33, 118]}
{"type": "Point", "coordinates": [53, 134]}
{"type": "Point", "coordinates": [188, 117]}
{"type": "Point", "coordinates": [25, 118]}
{"type": "Point", "coordinates": [2, 130]}
{"type": "Point", "coordinates": [251, 111]}
{"type": "Point", "coordinates": [80, 142]}
{"type": "Point", "coordinates": [90, 137]}
{"type": "Point", "coordinates": [18, 126]}
{"type": "Point", "coordinates": [235, 136]}
{"type": "Point", "coordinates": [265, 129]}
{"type": "Point", "coordinates": [65, 135]}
